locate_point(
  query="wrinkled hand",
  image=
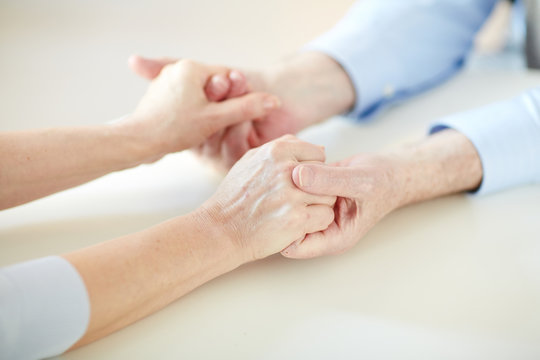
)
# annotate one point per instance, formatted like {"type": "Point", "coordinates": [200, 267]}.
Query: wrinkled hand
{"type": "Point", "coordinates": [175, 113]}
{"type": "Point", "coordinates": [259, 208]}
{"type": "Point", "coordinates": [367, 190]}
{"type": "Point", "coordinates": [311, 87]}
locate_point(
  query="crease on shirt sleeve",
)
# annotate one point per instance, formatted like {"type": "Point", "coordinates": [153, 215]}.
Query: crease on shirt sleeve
{"type": "Point", "coordinates": [393, 50]}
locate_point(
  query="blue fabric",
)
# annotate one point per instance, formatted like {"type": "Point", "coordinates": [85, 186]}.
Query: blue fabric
{"type": "Point", "coordinates": [394, 49]}
{"type": "Point", "coordinates": [507, 137]}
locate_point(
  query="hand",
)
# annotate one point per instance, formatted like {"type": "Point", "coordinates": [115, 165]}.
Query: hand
{"type": "Point", "coordinates": [367, 188]}
{"type": "Point", "coordinates": [259, 208]}
{"type": "Point", "coordinates": [311, 86]}
{"type": "Point", "coordinates": [175, 113]}
{"type": "Point", "coordinates": [371, 186]}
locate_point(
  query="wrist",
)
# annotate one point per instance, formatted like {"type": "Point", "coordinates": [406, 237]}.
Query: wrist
{"type": "Point", "coordinates": [312, 81]}
{"type": "Point", "coordinates": [213, 224]}
{"type": "Point", "coordinates": [143, 147]}
{"type": "Point", "coordinates": [442, 164]}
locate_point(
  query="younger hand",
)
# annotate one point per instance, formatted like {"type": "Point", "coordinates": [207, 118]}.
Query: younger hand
{"type": "Point", "coordinates": [311, 85]}
{"type": "Point", "coordinates": [175, 113]}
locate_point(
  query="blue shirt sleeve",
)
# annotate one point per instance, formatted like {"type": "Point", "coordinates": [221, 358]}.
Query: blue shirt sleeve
{"type": "Point", "coordinates": [393, 49]}
{"type": "Point", "coordinates": [507, 138]}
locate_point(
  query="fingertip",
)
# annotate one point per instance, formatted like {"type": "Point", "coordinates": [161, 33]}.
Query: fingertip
{"type": "Point", "coordinates": [239, 84]}
{"type": "Point", "coordinates": [134, 62]}
{"type": "Point", "coordinates": [132, 59]}
{"type": "Point", "coordinates": [218, 87]}
{"type": "Point", "coordinates": [271, 103]}
{"type": "Point", "coordinates": [296, 175]}
{"type": "Point", "coordinates": [305, 176]}
{"type": "Point", "coordinates": [236, 76]}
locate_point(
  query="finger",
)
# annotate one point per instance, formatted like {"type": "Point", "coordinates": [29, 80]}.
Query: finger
{"type": "Point", "coordinates": [239, 85]}
{"type": "Point", "coordinates": [329, 180]}
{"type": "Point", "coordinates": [313, 245]}
{"type": "Point", "coordinates": [212, 146]}
{"type": "Point", "coordinates": [148, 68]}
{"type": "Point", "coordinates": [312, 199]}
{"type": "Point", "coordinates": [300, 150]}
{"type": "Point", "coordinates": [247, 107]}
{"type": "Point", "coordinates": [235, 143]}
{"type": "Point", "coordinates": [318, 218]}
{"type": "Point", "coordinates": [253, 139]}
{"type": "Point", "coordinates": [217, 87]}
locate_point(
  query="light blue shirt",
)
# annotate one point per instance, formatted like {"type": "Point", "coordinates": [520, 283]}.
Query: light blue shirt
{"type": "Point", "coordinates": [394, 49]}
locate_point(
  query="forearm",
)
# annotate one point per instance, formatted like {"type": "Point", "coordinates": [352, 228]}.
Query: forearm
{"type": "Point", "coordinates": [133, 276]}
{"type": "Point", "coordinates": [444, 163]}
{"type": "Point", "coordinates": [314, 82]}
{"type": "Point", "coordinates": [394, 49]}
{"type": "Point", "coordinates": [37, 163]}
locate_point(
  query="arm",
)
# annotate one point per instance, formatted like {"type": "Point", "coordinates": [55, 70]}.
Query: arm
{"type": "Point", "coordinates": [257, 211]}
{"type": "Point", "coordinates": [393, 49]}
{"type": "Point", "coordinates": [482, 150]}
{"type": "Point", "coordinates": [37, 163]}
{"type": "Point", "coordinates": [381, 52]}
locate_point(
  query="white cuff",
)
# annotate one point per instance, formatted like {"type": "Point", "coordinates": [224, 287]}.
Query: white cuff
{"type": "Point", "coordinates": [44, 308]}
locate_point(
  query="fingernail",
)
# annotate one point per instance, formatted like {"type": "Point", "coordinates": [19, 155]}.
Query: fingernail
{"type": "Point", "coordinates": [305, 176]}
{"type": "Point", "coordinates": [235, 75]}
{"type": "Point", "coordinates": [218, 82]}
{"type": "Point", "coordinates": [271, 103]}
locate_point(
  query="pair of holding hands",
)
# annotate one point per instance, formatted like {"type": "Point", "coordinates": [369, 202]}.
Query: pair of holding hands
{"type": "Point", "coordinates": [280, 196]}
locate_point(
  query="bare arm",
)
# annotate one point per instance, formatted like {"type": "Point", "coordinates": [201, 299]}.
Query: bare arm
{"type": "Point", "coordinates": [37, 163]}
{"type": "Point", "coordinates": [256, 212]}
{"type": "Point", "coordinates": [172, 116]}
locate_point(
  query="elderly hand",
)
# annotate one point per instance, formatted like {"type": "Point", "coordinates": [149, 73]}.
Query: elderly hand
{"type": "Point", "coordinates": [311, 86]}
{"type": "Point", "coordinates": [371, 186]}
{"type": "Point", "coordinates": [367, 188]}
{"type": "Point", "coordinates": [258, 207]}
{"type": "Point", "coordinates": [175, 113]}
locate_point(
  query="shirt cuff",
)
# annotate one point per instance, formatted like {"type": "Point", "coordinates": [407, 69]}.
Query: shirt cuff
{"type": "Point", "coordinates": [507, 138]}
{"type": "Point", "coordinates": [341, 44]}
{"type": "Point", "coordinates": [44, 308]}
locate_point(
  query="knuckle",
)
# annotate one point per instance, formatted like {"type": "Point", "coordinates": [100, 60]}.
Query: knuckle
{"type": "Point", "coordinates": [277, 148]}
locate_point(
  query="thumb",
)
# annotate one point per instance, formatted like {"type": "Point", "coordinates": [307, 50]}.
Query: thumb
{"type": "Point", "coordinates": [148, 68]}
{"type": "Point", "coordinates": [324, 179]}
{"type": "Point", "coordinates": [243, 108]}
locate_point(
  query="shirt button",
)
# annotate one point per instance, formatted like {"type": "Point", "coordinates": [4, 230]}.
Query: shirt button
{"type": "Point", "coordinates": [389, 91]}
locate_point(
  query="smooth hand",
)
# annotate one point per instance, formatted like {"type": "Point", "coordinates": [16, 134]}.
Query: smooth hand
{"type": "Point", "coordinates": [311, 87]}
{"type": "Point", "coordinates": [175, 113]}
{"type": "Point", "coordinates": [259, 208]}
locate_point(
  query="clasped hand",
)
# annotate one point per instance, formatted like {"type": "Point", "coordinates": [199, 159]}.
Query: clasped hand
{"type": "Point", "coordinates": [257, 207]}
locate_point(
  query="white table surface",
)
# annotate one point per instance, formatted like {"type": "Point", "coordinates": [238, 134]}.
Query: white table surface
{"type": "Point", "coordinates": [457, 277]}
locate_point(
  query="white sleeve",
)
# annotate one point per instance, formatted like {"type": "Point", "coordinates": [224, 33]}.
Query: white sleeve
{"type": "Point", "coordinates": [44, 308]}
